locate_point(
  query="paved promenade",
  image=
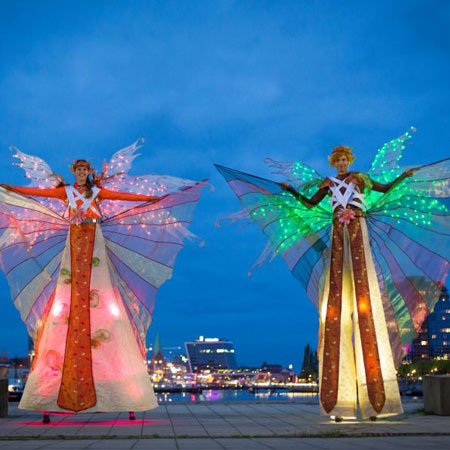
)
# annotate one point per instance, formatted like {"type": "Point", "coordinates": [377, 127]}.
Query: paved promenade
{"type": "Point", "coordinates": [224, 426]}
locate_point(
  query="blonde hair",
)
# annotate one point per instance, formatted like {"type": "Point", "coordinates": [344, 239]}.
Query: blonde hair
{"type": "Point", "coordinates": [341, 150]}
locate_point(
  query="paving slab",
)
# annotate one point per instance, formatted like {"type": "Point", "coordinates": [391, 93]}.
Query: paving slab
{"type": "Point", "coordinates": [230, 425]}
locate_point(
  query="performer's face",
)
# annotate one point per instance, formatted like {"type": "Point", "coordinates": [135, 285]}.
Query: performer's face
{"type": "Point", "coordinates": [81, 174]}
{"type": "Point", "coordinates": [342, 165]}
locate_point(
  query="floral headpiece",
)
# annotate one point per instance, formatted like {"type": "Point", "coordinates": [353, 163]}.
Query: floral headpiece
{"type": "Point", "coordinates": [341, 150]}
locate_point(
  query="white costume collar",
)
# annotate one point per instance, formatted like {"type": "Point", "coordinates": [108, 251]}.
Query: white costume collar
{"type": "Point", "coordinates": [88, 203]}
{"type": "Point", "coordinates": [348, 197]}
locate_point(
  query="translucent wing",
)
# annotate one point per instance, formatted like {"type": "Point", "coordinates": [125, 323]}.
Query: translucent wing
{"type": "Point", "coordinates": [41, 176]}
{"type": "Point", "coordinates": [386, 164]}
{"type": "Point", "coordinates": [32, 240]}
{"type": "Point", "coordinates": [121, 161]}
{"type": "Point", "coordinates": [117, 178]}
{"type": "Point", "coordinates": [410, 235]}
{"type": "Point", "coordinates": [300, 235]}
{"type": "Point", "coordinates": [296, 173]}
{"type": "Point", "coordinates": [35, 168]}
{"type": "Point", "coordinates": [142, 243]}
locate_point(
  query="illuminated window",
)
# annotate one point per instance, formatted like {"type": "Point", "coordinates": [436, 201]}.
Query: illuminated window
{"type": "Point", "coordinates": [445, 330]}
{"type": "Point", "coordinates": [433, 336]}
{"type": "Point", "coordinates": [423, 342]}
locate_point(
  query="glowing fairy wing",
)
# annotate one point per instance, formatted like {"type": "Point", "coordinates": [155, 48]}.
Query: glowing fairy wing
{"type": "Point", "coordinates": [116, 174]}
{"type": "Point", "coordinates": [298, 234]}
{"type": "Point", "coordinates": [116, 178]}
{"type": "Point", "coordinates": [32, 240]}
{"type": "Point", "coordinates": [121, 161]}
{"type": "Point", "coordinates": [410, 234]}
{"type": "Point", "coordinates": [157, 185]}
{"type": "Point", "coordinates": [142, 243]}
{"type": "Point", "coordinates": [296, 173]}
{"type": "Point", "coordinates": [41, 176]}
{"type": "Point", "coordinates": [385, 165]}
{"type": "Point", "coordinates": [35, 168]}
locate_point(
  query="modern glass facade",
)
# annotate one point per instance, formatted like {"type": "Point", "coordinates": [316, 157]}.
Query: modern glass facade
{"type": "Point", "coordinates": [210, 353]}
{"type": "Point", "coordinates": [434, 338]}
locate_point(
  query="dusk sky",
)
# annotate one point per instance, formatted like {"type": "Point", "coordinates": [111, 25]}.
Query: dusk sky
{"type": "Point", "coordinates": [227, 82]}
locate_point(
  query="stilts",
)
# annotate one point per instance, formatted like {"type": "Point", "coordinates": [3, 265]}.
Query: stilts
{"type": "Point", "coordinates": [131, 415]}
{"type": "Point", "coordinates": [46, 418]}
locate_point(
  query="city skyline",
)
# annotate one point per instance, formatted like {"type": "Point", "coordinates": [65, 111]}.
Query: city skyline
{"type": "Point", "coordinates": [222, 82]}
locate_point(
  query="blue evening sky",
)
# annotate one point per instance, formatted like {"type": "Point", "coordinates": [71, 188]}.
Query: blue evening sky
{"type": "Point", "coordinates": [226, 82]}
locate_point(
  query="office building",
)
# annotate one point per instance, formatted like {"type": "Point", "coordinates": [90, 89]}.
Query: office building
{"type": "Point", "coordinates": [210, 354]}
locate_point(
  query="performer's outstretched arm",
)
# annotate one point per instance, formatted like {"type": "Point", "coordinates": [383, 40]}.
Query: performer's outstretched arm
{"type": "Point", "coordinates": [106, 194]}
{"type": "Point", "coordinates": [58, 192]}
{"type": "Point", "coordinates": [308, 202]}
{"type": "Point", "coordinates": [380, 187]}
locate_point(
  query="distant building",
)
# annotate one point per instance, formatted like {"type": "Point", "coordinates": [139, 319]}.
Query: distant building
{"type": "Point", "coordinates": [210, 353]}
{"type": "Point", "coordinates": [157, 355]}
{"type": "Point", "coordinates": [272, 368]}
{"type": "Point", "coordinates": [433, 340]}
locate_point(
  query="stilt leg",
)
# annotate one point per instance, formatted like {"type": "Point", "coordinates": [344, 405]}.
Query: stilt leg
{"type": "Point", "coordinates": [46, 418]}
{"type": "Point", "coordinates": [131, 415]}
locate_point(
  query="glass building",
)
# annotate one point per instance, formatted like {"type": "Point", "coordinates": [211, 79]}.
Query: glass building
{"type": "Point", "coordinates": [210, 353]}
{"type": "Point", "coordinates": [433, 340]}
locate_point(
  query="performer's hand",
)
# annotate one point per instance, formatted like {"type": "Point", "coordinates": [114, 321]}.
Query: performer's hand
{"type": "Point", "coordinates": [155, 198]}
{"type": "Point", "coordinates": [326, 183]}
{"type": "Point", "coordinates": [285, 186]}
{"type": "Point", "coordinates": [410, 172]}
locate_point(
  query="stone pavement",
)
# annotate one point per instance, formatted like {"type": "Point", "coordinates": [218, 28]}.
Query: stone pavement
{"type": "Point", "coordinates": [230, 425]}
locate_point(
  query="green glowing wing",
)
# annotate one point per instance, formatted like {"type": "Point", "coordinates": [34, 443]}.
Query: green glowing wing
{"type": "Point", "coordinates": [410, 240]}
{"type": "Point", "coordinates": [296, 173]}
{"type": "Point", "coordinates": [298, 234]}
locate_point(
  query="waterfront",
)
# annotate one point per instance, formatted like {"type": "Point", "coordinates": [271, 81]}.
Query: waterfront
{"type": "Point", "coordinates": [238, 395]}
{"type": "Point", "coordinates": [244, 396]}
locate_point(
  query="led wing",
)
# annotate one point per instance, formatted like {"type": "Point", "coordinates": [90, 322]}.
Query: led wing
{"type": "Point", "coordinates": [41, 176]}
{"type": "Point", "coordinates": [300, 235]}
{"type": "Point", "coordinates": [32, 240]}
{"type": "Point", "coordinates": [142, 243]}
{"type": "Point", "coordinates": [410, 238]}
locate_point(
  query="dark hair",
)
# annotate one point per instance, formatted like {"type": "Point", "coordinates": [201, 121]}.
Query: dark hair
{"type": "Point", "coordinates": [89, 186]}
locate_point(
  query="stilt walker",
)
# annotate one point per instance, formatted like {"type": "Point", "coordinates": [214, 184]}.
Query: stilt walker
{"type": "Point", "coordinates": [373, 257]}
{"type": "Point", "coordinates": [84, 263]}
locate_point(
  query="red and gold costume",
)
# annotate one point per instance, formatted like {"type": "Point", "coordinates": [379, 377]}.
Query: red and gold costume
{"type": "Point", "coordinates": [77, 391]}
{"type": "Point", "coordinates": [373, 260]}
{"type": "Point", "coordinates": [84, 273]}
{"type": "Point", "coordinates": [355, 357]}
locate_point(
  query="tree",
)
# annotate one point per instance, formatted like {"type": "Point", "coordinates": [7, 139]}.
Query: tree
{"type": "Point", "coordinates": [310, 363]}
